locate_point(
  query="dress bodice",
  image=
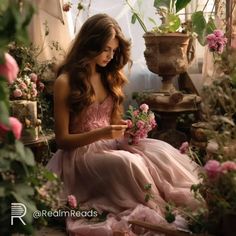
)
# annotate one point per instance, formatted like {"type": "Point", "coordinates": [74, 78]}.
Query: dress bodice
{"type": "Point", "coordinates": [94, 116]}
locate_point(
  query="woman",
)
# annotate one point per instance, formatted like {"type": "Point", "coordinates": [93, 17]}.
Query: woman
{"type": "Point", "coordinates": [102, 172]}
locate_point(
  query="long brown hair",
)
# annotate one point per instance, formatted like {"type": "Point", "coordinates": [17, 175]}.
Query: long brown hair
{"type": "Point", "coordinates": [89, 43]}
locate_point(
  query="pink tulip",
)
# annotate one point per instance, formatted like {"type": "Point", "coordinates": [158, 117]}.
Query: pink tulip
{"type": "Point", "coordinates": [72, 201]}
{"type": "Point", "coordinates": [9, 69]}
{"type": "Point", "coordinates": [15, 127]}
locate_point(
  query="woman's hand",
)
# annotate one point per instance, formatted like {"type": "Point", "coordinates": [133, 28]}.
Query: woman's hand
{"type": "Point", "coordinates": [113, 131]}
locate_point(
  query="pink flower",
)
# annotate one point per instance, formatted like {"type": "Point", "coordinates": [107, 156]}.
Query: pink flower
{"type": "Point", "coordinates": [216, 41]}
{"type": "Point", "coordinates": [33, 77]}
{"type": "Point", "coordinates": [228, 166]}
{"type": "Point", "coordinates": [9, 69]}
{"type": "Point", "coordinates": [66, 6]}
{"type": "Point", "coordinates": [218, 33]}
{"type": "Point", "coordinates": [22, 85]}
{"type": "Point", "coordinates": [72, 201]}
{"type": "Point", "coordinates": [184, 147]}
{"type": "Point", "coordinates": [144, 107]}
{"type": "Point", "coordinates": [41, 86]}
{"type": "Point", "coordinates": [15, 127]}
{"type": "Point", "coordinates": [34, 93]}
{"type": "Point", "coordinates": [140, 124]}
{"type": "Point", "coordinates": [212, 168]}
{"type": "Point", "coordinates": [17, 93]}
{"type": "Point", "coordinates": [136, 112]}
{"type": "Point", "coordinates": [129, 123]}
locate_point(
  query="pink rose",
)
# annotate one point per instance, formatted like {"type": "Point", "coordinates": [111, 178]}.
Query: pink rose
{"type": "Point", "coordinates": [15, 127]}
{"type": "Point", "coordinates": [144, 107]}
{"type": "Point", "coordinates": [72, 201]}
{"type": "Point", "coordinates": [17, 93]}
{"type": "Point", "coordinates": [9, 69]}
{"type": "Point", "coordinates": [228, 166]}
{"type": "Point", "coordinates": [33, 77]}
{"type": "Point", "coordinates": [184, 147]}
{"type": "Point", "coordinates": [140, 124]}
{"type": "Point", "coordinates": [22, 85]}
{"type": "Point", "coordinates": [212, 168]}
{"type": "Point", "coordinates": [34, 93]}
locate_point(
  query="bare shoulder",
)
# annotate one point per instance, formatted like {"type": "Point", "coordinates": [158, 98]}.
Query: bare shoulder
{"type": "Point", "coordinates": [62, 81]}
{"type": "Point", "coordinates": [61, 84]}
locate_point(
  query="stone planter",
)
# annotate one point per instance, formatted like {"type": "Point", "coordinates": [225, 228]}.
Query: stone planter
{"type": "Point", "coordinates": [26, 112]}
{"type": "Point", "coordinates": [167, 55]}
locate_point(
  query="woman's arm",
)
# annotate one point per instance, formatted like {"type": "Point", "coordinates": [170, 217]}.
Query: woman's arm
{"type": "Point", "coordinates": [64, 139]}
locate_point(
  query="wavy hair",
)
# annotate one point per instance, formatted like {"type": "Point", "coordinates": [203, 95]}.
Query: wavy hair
{"type": "Point", "coordinates": [89, 43]}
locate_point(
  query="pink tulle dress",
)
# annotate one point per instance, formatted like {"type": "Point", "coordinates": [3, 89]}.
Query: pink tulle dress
{"type": "Point", "coordinates": [111, 175]}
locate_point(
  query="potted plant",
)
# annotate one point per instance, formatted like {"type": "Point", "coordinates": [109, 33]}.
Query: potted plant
{"type": "Point", "coordinates": [169, 48]}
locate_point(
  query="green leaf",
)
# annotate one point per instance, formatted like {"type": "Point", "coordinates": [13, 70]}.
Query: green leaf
{"type": "Point", "coordinates": [152, 20]}
{"type": "Point", "coordinates": [162, 3]}
{"type": "Point", "coordinates": [133, 19]}
{"type": "Point", "coordinates": [4, 113]}
{"type": "Point", "coordinates": [147, 186]}
{"type": "Point", "coordinates": [199, 26]}
{"type": "Point", "coordinates": [5, 164]}
{"type": "Point", "coordinates": [210, 27]}
{"type": "Point", "coordinates": [25, 154]}
{"type": "Point", "coordinates": [3, 5]}
{"type": "Point", "coordinates": [181, 4]}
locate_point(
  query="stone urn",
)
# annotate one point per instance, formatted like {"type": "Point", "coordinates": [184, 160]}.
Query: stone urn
{"type": "Point", "coordinates": [26, 112]}
{"type": "Point", "coordinates": [168, 55]}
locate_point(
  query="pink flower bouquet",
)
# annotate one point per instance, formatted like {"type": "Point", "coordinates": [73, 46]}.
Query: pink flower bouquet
{"type": "Point", "coordinates": [26, 87]}
{"type": "Point", "coordinates": [140, 121]}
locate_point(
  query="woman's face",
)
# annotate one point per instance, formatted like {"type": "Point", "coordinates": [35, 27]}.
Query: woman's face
{"type": "Point", "coordinates": [104, 58]}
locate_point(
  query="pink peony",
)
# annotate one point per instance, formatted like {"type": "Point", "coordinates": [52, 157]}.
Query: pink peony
{"type": "Point", "coordinates": [9, 69]}
{"type": "Point", "coordinates": [144, 107]}
{"type": "Point", "coordinates": [228, 166]}
{"type": "Point", "coordinates": [212, 168]}
{"type": "Point", "coordinates": [72, 201]}
{"type": "Point", "coordinates": [184, 147]}
{"type": "Point", "coordinates": [15, 127]}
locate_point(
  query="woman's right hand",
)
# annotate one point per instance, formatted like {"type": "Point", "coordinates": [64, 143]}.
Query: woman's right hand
{"type": "Point", "coordinates": [113, 131]}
